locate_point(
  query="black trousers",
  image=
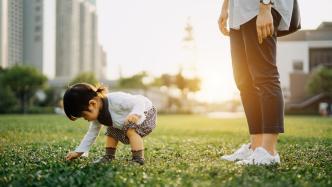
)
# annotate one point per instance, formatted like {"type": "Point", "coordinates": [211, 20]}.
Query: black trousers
{"type": "Point", "coordinates": [257, 78]}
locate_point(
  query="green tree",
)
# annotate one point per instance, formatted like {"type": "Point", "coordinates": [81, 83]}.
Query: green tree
{"type": "Point", "coordinates": [135, 81]}
{"type": "Point", "coordinates": [187, 84]}
{"type": "Point", "coordinates": [9, 102]}
{"type": "Point", "coordinates": [320, 81]}
{"type": "Point", "coordinates": [87, 77]}
{"type": "Point", "coordinates": [181, 82]}
{"type": "Point", "coordinates": [163, 80]}
{"type": "Point", "coordinates": [23, 81]}
{"type": "Point", "coordinates": [51, 99]}
{"type": "Point", "coordinates": [194, 84]}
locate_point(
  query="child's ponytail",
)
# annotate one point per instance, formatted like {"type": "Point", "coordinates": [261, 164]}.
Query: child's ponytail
{"type": "Point", "coordinates": [101, 90]}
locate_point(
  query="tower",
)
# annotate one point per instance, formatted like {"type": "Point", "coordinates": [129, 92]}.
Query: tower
{"type": "Point", "coordinates": [11, 32]}
{"type": "Point", "coordinates": [189, 52]}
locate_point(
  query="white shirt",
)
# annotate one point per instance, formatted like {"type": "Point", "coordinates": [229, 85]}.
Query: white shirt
{"type": "Point", "coordinates": [241, 11]}
{"type": "Point", "coordinates": [120, 105]}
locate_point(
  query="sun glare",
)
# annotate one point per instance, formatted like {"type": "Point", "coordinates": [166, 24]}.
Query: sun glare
{"type": "Point", "coordinates": [216, 86]}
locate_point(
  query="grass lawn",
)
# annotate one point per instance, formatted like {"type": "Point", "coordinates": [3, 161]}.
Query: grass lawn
{"type": "Point", "coordinates": [183, 150]}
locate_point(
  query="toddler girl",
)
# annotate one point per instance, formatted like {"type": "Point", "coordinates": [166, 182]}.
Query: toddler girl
{"type": "Point", "coordinates": [128, 118]}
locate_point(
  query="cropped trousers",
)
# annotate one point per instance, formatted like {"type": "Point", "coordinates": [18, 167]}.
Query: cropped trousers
{"type": "Point", "coordinates": [257, 78]}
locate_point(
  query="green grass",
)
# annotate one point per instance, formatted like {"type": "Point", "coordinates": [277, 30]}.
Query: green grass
{"type": "Point", "coordinates": [184, 150]}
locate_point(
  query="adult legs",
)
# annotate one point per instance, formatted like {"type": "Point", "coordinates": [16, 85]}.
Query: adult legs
{"type": "Point", "coordinates": [265, 76]}
{"type": "Point", "coordinates": [248, 92]}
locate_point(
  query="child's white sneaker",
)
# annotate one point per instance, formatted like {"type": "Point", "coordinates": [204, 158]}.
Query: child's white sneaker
{"type": "Point", "coordinates": [242, 153]}
{"type": "Point", "coordinates": [260, 157]}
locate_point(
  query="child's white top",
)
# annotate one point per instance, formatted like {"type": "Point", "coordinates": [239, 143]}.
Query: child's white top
{"type": "Point", "coordinates": [120, 105]}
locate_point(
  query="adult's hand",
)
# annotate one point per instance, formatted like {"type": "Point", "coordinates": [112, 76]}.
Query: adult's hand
{"type": "Point", "coordinates": [264, 23]}
{"type": "Point", "coordinates": [223, 19]}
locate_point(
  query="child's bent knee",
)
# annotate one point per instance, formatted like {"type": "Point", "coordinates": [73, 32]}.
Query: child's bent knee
{"type": "Point", "coordinates": [131, 132]}
{"type": "Point", "coordinates": [111, 141]}
{"type": "Point", "coordinates": [111, 138]}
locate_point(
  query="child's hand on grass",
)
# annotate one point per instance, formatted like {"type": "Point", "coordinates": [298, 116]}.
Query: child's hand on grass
{"type": "Point", "coordinates": [73, 155]}
{"type": "Point", "coordinates": [132, 118]}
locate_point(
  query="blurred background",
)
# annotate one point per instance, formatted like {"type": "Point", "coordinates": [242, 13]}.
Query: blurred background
{"type": "Point", "coordinates": [170, 51]}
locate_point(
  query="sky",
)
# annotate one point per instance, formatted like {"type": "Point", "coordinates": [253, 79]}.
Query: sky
{"type": "Point", "coordinates": [147, 35]}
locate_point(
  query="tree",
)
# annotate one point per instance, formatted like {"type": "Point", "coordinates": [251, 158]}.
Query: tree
{"type": "Point", "coordinates": [86, 77]}
{"type": "Point", "coordinates": [23, 81]}
{"type": "Point", "coordinates": [135, 81]}
{"type": "Point", "coordinates": [320, 81]}
{"type": "Point", "coordinates": [7, 104]}
{"type": "Point", "coordinates": [163, 80]}
{"type": "Point", "coordinates": [187, 84]}
{"type": "Point", "coordinates": [51, 99]}
{"type": "Point", "coordinates": [167, 80]}
{"type": "Point", "coordinates": [179, 81]}
{"type": "Point", "coordinates": [194, 84]}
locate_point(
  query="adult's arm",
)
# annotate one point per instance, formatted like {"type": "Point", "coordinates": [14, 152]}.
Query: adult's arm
{"type": "Point", "coordinates": [264, 22]}
{"type": "Point", "coordinates": [223, 18]}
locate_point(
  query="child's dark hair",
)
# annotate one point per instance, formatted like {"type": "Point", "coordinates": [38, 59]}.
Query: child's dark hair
{"type": "Point", "coordinates": [76, 98]}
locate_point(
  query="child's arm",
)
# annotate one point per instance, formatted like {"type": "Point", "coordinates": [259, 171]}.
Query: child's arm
{"type": "Point", "coordinates": [73, 155]}
{"type": "Point", "coordinates": [136, 104]}
{"type": "Point", "coordinates": [89, 137]}
{"type": "Point", "coordinates": [137, 113]}
{"type": "Point", "coordinates": [86, 142]}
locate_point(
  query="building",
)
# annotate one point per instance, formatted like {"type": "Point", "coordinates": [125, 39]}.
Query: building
{"type": "Point", "coordinates": [60, 38]}
{"type": "Point", "coordinates": [67, 38]}
{"type": "Point", "coordinates": [298, 54]}
{"type": "Point", "coordinates": [100, 66]}
{"type": "Point", "coordinates": [39, 35]}
{"type": "Point", "coordinates": [11, 32]}
{"type": "Point", "coordinates": [301, 52]}
{"type": "Point", "coordinates": [77, 46]}
{"type": "Point", "coordinates": [27, 34]}
{"type": "Point", "coordinates": [86, 36]}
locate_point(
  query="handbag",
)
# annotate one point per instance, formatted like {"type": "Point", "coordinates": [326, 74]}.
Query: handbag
{"type": "Point", "coordinates": [295, 23]}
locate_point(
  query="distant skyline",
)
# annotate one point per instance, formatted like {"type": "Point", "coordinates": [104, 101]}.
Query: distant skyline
{"type": "Point", "coordinates": [146, 35]}
{"type": "Point", "coordinates": [57, 40]}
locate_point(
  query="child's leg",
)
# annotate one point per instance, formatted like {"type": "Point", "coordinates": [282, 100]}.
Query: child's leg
{"type": "Point", "coordinates": [135, 140]}
{"type": "Point", "coordinates": [111, 142]}
{"type": "Point", "coordinates": [110, 149]}
{"type": "Point", "coordinates": [137, 147]}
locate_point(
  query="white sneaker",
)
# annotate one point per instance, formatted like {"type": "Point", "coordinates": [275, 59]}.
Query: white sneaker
{"type": "Point", "coordinates": [260, 157]}
{"type": "Point", "coordinates": [243, 153]}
